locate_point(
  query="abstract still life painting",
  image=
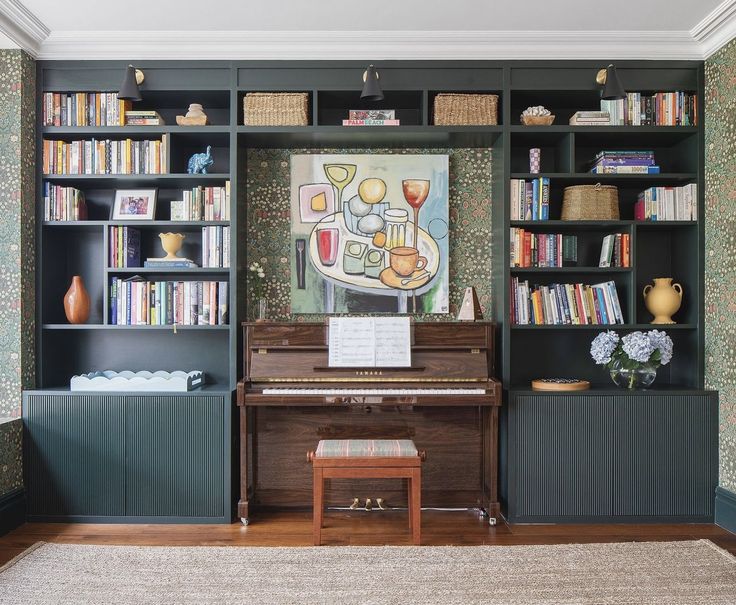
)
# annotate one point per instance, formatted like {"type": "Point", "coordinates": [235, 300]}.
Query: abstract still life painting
{"type": "Point", "coordinates": [369, 233]}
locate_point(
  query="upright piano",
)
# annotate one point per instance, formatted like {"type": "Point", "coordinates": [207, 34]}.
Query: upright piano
{"type": "Point", "coordinates": [447, 402]}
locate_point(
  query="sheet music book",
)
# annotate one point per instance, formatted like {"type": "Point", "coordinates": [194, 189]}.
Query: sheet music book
{"type": "Point", "coordinates": [374, 342]}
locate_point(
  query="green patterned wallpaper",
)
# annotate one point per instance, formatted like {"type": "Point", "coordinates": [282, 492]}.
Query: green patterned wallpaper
{"type": "Point", "coordinates": [17, 274]}
{"type": "Point", "coordinates": [720, 246]}
{"type": "Point", "coordinates": [268, 191]}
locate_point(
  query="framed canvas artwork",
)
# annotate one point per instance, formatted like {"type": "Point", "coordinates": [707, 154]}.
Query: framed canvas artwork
{"type": "Point", "coordinates": [369, 233]}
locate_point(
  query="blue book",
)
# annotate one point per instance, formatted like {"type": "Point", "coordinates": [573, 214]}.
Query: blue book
{"type": "Point", "coordinates": [132, 247]}
{"type": "Point", "coordinates": [535, 200]}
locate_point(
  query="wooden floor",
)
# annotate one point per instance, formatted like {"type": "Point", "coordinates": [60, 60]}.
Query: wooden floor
{"type": "Point", "coordinates": [354, 528]}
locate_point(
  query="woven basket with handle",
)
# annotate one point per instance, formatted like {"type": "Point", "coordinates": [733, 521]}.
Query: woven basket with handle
{"type": "Point", "coordinates": [276, 109]}
{"type": "Point", "coordinates": [590, 203]}
{"type": "Point", "coordinates": [465, 109]}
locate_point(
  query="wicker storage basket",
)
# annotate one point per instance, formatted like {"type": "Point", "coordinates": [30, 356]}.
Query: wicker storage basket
{"type": "Point", "coordinates": [590, 203]}
{"type": "Point", "coordinates": [465, 110]}
{"type": "Point", "coordinates": [276, 109]}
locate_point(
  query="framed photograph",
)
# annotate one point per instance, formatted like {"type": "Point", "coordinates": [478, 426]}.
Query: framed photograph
{"type": "Point", "coordinates": [134, 205]}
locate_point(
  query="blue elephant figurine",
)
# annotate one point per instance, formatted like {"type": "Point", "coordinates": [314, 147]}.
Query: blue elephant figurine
{"type": "Point", "coordinates": [200, 162]}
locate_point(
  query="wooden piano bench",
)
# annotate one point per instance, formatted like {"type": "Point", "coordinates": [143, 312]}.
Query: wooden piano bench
{"type": "Point", "coordinates": [368, 459]}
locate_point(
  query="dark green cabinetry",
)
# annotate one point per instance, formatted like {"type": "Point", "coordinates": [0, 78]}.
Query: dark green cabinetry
{"type": "Point", "coordinates": [612, 456]}
{"type": "Point", "coordinates": [151, 458]}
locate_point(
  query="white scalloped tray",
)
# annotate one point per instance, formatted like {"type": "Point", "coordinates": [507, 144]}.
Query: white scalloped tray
{"type": "Point", "coordinates": [144, 380]}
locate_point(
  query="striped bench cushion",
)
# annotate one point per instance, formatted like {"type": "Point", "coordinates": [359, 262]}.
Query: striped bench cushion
{"type": "Point", "coordinates": [345, 448]}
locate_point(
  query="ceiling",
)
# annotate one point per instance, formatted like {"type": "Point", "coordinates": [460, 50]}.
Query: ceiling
{"type": "Point", "coordinates": [262, 29]}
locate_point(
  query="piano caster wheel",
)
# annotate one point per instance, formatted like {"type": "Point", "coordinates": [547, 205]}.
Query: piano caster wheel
{"type": "Point", "coordinates": [244, 520]}
{"type": "Point", "coordinates": [492, 521]}
{"type": "Point", "coordinates": [482, 514]}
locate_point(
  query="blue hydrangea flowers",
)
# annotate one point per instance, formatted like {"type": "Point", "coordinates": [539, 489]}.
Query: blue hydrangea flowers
{"type": "Point", "coordinates": [603, 346]}
{"type": "Point", "coordinates": [633, 350]}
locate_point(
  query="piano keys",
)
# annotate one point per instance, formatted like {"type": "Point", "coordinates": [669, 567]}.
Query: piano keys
{"type": "Point", "coordinates": [447, 401]}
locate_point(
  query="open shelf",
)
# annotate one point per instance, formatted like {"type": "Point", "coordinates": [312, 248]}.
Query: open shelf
{"type": "Point", "coordinates": [164, 270]}
{"type": "Point", "coordinates": [169, 327]}
{"type": "Point", "coordinates": [577, 269]}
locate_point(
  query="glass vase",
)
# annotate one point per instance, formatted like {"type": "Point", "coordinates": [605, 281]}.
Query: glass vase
{"type": "Point", "coordinates": [262, 310]}
{"type": "Point", "coordinates": [640, 377]}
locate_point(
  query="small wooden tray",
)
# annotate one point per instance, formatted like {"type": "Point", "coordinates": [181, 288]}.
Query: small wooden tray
{"type": "Point", "coordinates": [198, 121]}
{"type": "Point", "coordinates": [551, 384]}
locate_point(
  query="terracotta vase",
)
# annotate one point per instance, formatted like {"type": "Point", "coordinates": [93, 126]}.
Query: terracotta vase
{"type": "Point", "coordinates": [76, 302]}
{"type": "Point", "coordinates": [663, 299]}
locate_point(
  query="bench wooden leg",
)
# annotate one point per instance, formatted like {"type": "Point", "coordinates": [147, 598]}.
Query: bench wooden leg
{"type": "Point", "coordinates": [318, 505]}
{"type": "Point", "coordinates": [415, 505]}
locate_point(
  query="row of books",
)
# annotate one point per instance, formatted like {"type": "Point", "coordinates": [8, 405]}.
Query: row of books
{"type": "Point", "coordinates": [63, 203]}
{"type": "Point", "coordinates": [624, 162]}
{"type": "Point", "coordinates": [203, 204]}
{"type": "Point", "coordinates": [660, 109]}
{"type": "Point", "coordinates": [84, 109]}
{"type": "Point", "coordinates": [215, 247]}
{"type": "Point", "coordinates": [125, 247]}
{"type": "Point", "coordinates": [616, 250]}
{"type": "Point", "coordinates": [136, 302]}
{"type": "Point", "coordinates": [529, 249]}
{"type": "Point", "coordinates": [565, 304]}
{"type": "Point", "coordinates": [371, 117]}
{"type": "Point", "coordinates": [106, 156]}
{"type": "Point", "coordinates": [530, 199]}
{"type": "Point", "coordinates": [668, 204]}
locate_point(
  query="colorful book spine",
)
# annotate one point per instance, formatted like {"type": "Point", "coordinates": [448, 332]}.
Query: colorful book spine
{"type": "Point", "coordinates": [668, 204]}
{"type": "Point", "coordinates": [83, 109]}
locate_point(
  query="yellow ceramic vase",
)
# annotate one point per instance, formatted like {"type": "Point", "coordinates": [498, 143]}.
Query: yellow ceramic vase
{"type": "Point", "coordinates": [171, 243]}
{"type": "Point", "coordinates": [663, 299]}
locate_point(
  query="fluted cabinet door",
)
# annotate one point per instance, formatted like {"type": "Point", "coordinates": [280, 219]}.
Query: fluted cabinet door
{"type": "Point", "coordinates": [75, 455]}
{"type": "Point", "coordinates": [175, 457]}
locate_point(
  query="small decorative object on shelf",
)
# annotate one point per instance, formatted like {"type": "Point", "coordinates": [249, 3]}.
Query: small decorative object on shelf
{"type": "Point", "coordinates": [200, 162]}
{"type": "Point", "coordinates": [160, 381]}
{"type": "Point", "coordinates": [452, 109]}
{"type": "Point", "coordinates": [535, 160]}
{"type": "Point", "coordinates": [560, 384]}
{"type": "Point", "coordinates": [590, 203]}
{"type": "Point", "coordinates": [632, 360]}
{"type": "Point", "coordinates": [663, 299]}
{"type": "Point", "coordinates": [257, 287]}
{"type": "Point", "coordinates": [134, 205]}
{"type": "Point", "coordinates": [76, 302]}
{"type": "Point", "coordinates": [537, 116]}
{"type": "Point", "coordinates": [470, 307]}
{"type": "Point", "coordinates": [171, 243]}
{"type": "Point", "coordinates": [195, 116]}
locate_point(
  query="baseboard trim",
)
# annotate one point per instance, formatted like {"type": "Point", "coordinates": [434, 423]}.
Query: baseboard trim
{"type": "Point", "coordinates": [12, 510]}
{"type": "Point", "coordinates": [726, 509]}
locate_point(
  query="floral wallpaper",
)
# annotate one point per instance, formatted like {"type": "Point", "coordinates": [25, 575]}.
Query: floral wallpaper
{"type": "Point", "coordinates": [268, 191]}
{"type": "Point", "coordinates": [17, 274]}
{"type": "Point", "coordinates": [720, 246]}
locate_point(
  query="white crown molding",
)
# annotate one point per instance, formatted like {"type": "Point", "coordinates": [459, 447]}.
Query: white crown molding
{"type": "Point", "coordinates": [22, 26]}
{"type": "Point", "coordinates": [718, 28]}
{"type": "Point", "coordinates": [374, 45]}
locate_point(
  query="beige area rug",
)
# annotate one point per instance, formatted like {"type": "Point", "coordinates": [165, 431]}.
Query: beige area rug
{"type": "Point", "coordinates": [648, 572]}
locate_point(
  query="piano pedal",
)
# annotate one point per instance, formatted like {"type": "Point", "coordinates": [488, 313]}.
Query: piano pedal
{"type": "Point", "coordinates": [355, 504]}
{"type": "Point", "coordinates": [368, 504]}
{"type": "Point", "coordinates": [381, 502]}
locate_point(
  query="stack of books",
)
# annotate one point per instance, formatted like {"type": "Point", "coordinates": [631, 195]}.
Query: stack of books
{"type": "Point", "coordinates": [660, 109]}
{"type": "Point", "coordinates": [371, 117]}
{"type": "Point", "coordinates": [203, 204]}
{"type": "Point", "coordinates": [63, 203]}
{"type": "Point", "coordinates": [215, 247]}
{"type": "Point", "coordinates": [143, 117]}
{"type": "Point", "coordinates": [624, 162]}
{"type": "Point", "coordinates": [530, 199]}
{"type": "Point", "coordinates": [125, 247]}
{"type": "Point", "coordinates": [136, 302]}
{"type": "Point", "coordinates": [164, 263]}
{"type": "Point", "coordinates": [84, 109]}
{"type": "Point", "coordinates": [543, 249]}
{"type": "Point", "coordinates": [590, 118]}
{"type": "Point", "coordinates": [616, 250]}
{"type": "Point", "coordinates": [106, 156]}
{"type": "Point", "coordinates": [668, 204]}
{"type": "Point", "coordinates": [565, 304]}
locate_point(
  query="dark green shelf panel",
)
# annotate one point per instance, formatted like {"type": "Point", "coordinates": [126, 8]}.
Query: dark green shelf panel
{"type": "Point", "coordinates": [570, 269]}
{"type": "Point", "coordinates": [613, 130]}
{"type": "Point", "coordinates": [138, 224]}
{"type": "Point", "coordinates": [558, 223]}
{"type": "Point", "coordinates": [162, 270]}
{"type": "Point", "coordinates": [608, 327]}
{"type": "Point", "coordinates": [609, 389]}
{"type": "Point", "coordinates": [91, 131]}
{"type": "Point", "coordinates": [169, 327]}
{"type": "Point", "coordinates": [131, 180]}
{"type": "Point", "coordinates": [603, 178]}
{"type": "Point", "coordinates": [367, 136]}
